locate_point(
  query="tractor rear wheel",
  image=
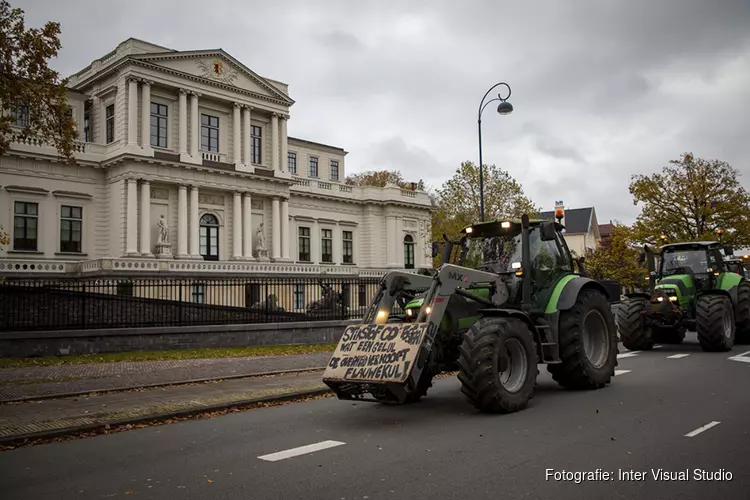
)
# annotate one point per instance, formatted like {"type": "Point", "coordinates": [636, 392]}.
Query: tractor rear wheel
{"type": "Point", "coordinates": [498, 365]}
{"type": "Point", "coordinates": [715, 323]}
{"type": "Point", "coordinates": [634, 335]}
{"type": "Point", "coordinates": [742, 335]}
{"type": "Point", "coordinates": [588, 343]}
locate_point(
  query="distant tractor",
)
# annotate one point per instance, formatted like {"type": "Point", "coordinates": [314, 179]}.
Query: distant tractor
{"type": "Point", "coordinates": [694, 288]}
{"type": "Point", "coordinates": [513, 302]}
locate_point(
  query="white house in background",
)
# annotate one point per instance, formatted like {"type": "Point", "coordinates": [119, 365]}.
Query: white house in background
{"type": "Point", "coordinates": [581, 227]}
{"type": "Point", "coordinates": [184, 165]}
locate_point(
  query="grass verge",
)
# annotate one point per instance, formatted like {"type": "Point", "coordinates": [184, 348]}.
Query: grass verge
{"type": "Point", "coordinates": [220, 352]}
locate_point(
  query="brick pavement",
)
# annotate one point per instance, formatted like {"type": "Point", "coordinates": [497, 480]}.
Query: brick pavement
{"type": "Point", "coordinates": [67, 379]}
{"type": "Point", "coordinates": [20, 419]}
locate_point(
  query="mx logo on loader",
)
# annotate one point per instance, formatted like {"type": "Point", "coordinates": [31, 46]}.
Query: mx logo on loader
{"type": "Point", "coordinates": [458, 277]}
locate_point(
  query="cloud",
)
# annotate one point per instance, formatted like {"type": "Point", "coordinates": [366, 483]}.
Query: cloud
{"type": "Point", "coordinates": [601, 90]}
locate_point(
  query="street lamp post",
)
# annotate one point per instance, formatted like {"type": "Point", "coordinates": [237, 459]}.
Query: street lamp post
{"type": "Point", "coordinates": [504, 108]}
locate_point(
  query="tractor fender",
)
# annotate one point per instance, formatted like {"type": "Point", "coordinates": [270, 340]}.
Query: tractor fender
{"type": "Point", "coordinates": [572, 288]}
{"type": "Point", "coordinates": [731, 293]}
{"type": "Point", "coordinates": [513, 313]}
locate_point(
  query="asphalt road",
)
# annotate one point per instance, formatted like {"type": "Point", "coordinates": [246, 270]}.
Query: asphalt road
{"type": "Point", "coordinates": [677, 414]}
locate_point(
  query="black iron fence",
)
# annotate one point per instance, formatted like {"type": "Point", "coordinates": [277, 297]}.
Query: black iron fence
{"type": "Point", "coordinates": [61, 304]}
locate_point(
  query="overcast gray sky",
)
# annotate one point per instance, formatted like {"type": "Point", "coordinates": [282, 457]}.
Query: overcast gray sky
{"type": "Point", "coordinates": [601, 89]}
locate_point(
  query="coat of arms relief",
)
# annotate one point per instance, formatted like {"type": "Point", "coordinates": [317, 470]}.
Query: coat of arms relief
{"type": "Point", "coordinates": [218, 70]}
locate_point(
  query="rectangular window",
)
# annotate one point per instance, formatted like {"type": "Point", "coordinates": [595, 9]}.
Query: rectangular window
{"type": "Point", "coordinates": [327, 245]}
{"type": "Point", "coordinates": [110, 125]}
{"type": "Point", "coordinates": [334, 170]}
{"type": "Point", "coordinates": [304, 244]}
{"type": "Point", "coordinates": [199, 294]}
{"type": "Point", "coordinates": [19, 115]}
{"type": "Point", "coordinates": [292, 162]}
{"type": "Point", "coordinates": [299, 296]}
{"type": "Point", "coordinates": [362, 296]}
{"type": "Point", "coordinates": [25, 224]}
{"type": "Point", "coordinates": [348, 238]}
{"type": "Point", "coordinates": [210, 133]}
{"type": "Point", "coordinates": [71, 222]}
{"type": "Point", "coordinates": [159, 125]}
{"type": "Point", "coordinates": [313, 166]}
{"type": "Point", "coordinates": [256, 139]}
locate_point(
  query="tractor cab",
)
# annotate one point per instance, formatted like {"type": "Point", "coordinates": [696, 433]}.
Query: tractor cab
{"type": "Point", "coordinates": [693, 264]}
{"type": "Point", "coordinates": [496, 247]}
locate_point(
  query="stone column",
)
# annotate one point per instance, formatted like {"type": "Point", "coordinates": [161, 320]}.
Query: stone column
{"type": "Point", "coordinates": [275, 141]}
{"type": "Point", "coordinates": [182, 222]}
{"type": "Point", "coordinates": [247, 133]}
{"type": "Point", "coordinates": [194, 222]}
{"type": "Point", "coordinates": [285, 228]}
{"type": "Point", "coordinates": [247, 222]}
{"type": "Point", "coordinates": [391, 257]}
{"type": "Point", "coordinates": [275, 229]}
{"type": "Point", "coordinates": [131, 240]}
{"type": "Point", "coordinates": [146, 218]}
{"type": "Point", "coordinates": [237, 129]}
{"type": "Point", "coordinates": [183, 119]}
{"type": "Point", "coordinates": [146, 114]}
{"type": "Point", "coordinates": [132, 112]}
{"type": "Point", "coordinates": [195, 127]}
{"type": "Point", "coordinates": [284, 146]}
{"type": "Point", "coordinates": [237, 226]}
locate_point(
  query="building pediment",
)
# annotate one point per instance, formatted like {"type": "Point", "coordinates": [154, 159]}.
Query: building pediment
{"type": "Point", "coordinates": [217, 66]}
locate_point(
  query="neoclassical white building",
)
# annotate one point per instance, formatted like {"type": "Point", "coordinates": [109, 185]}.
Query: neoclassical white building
{"type": "Point", "coordinates": [185, 166]}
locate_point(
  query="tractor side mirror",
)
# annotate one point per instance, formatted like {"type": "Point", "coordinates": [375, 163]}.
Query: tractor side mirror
{"type": "Point", "coordinates": [548, 231]}
{"type": "Point", "coordinates": [728, 250]}
{"type": "Point", "coordinates": [642, 257]}
{"type": "Point", "coordinates": [434, 249]}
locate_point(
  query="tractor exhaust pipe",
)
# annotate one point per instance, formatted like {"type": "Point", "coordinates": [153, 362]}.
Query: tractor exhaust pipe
{"type": "Point", "coordinates": [447, 250]}
{"type": "Point", "coordinates": [525, 264]}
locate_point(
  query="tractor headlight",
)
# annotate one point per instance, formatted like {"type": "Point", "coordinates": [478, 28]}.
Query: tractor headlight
{"type": "Point", "coordinates": [673, 298]}
{"type": "Point", "coordinates": [505, 224]}
{"type": "Point", "coordinates": [660, 299]}
{"type": "Point", "coordinates": [410, 312]}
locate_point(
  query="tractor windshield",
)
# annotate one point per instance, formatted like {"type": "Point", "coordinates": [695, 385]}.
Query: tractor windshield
{"type": "Point", "coordinates": [684, 261]}
{"type": "Point", "coordinates": [495, 254]}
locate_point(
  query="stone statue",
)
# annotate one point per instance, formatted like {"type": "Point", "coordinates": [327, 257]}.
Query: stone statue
{"type": "Point", "coordinates": [163, 231]}
{"type": "Point", "coordinates": [260, 243]}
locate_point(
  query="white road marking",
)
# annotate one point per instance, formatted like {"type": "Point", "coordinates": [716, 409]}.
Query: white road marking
{"type": "Point", "coordinates": [621, 372]}
{"type": "Point", "coordinates": [628, 354]}
{"type": "Point", "coordinates": [701, 429]}
{"type": "Point", "coordinates": [310, 448]}
{"type": "Point", "coordinates": [678, 356]}
{"type": "Point", "coordinates": [657, 346]}
{"type": "Point", "coordinates": [741, 357]}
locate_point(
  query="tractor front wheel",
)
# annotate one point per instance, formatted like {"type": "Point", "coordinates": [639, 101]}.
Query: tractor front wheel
{"type": "Point", "coordinates": [588, 344]}
{"type": "Point", "coordinates": [634, 335]}
{"type": "Point", "coordinates": [715, 323]}
{"type": "Point", "coordinates": [498, 365]}
{"type": "Point", "coordinates": [742, 335]}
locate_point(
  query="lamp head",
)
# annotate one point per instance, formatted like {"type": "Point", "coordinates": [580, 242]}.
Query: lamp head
{"type": "Point", "coordinates": [504, 108]}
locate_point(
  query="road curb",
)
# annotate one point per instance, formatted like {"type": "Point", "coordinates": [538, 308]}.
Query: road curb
{"type": "Point", "coordinates": [156, 417]}
{"type": "Point", "coordinates": [158, 384]}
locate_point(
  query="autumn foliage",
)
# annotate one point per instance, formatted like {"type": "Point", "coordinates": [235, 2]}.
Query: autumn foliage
{"type": "Point", "coordinates": [29, 88]}
{"type": "Point", "coordinates": [617, 259]}
{"type": "Point", "coordinates": [689, 201]}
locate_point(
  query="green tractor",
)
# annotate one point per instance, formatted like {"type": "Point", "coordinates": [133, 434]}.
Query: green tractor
{"type": "Point", "coordinates": [694, 288]}
{"type": "Point", "coordinates": [512, 303]}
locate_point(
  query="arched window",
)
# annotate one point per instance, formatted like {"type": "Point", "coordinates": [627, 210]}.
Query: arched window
{"type": "Point", "coordinates": [408, 252]}
{"type": "Point", "coordinates": [209, 237]}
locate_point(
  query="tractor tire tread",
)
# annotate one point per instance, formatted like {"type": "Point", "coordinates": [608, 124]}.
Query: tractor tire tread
{"type": "Point", "coordinates": [630, 325]}
{"type": "Point", "coordinates": [710, 325]}
{"type": "Point", "coordinates": [575, 371]}
{"type": "Point", "coordinates": [479, 382]}
{"type": "Point", "coordinates": [742, 334]}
